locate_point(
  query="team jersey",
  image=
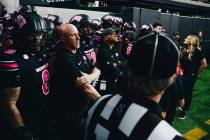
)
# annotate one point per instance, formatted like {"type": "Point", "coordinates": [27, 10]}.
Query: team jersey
{"type": "Point", "coordinates": [98, 39]}
{"type": "Point", "coordinates": [30, 72]}
{"type": "Point", "coordinates": [127, 118]}
{"type": "Point", "coordinates": [88, 48]}
{"type": "Point", "coordinates": [127, 44]}
{"type": "Point", "coordinates": [119, 43]}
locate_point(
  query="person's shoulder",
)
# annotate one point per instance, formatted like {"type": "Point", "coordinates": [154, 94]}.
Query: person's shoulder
{"type": "Point", "coordinates": [8, 53]}
{"type": "Point", "coordinates": [199, 52]}
{"type": "Point", "coordinates": [64, 55]}
{"type": "Point", "coordinates": [103, 48]}
{"type": "Point", "coordinates": [81, 52]}
{"type": "Point", "coordinates": [151, 122]}
{"type": "Point", "coordinates": [155, 128]}
{"type": "Point", "coordinates": [8, 60]}
{"type": "Point", "coordinates": [159, 132]}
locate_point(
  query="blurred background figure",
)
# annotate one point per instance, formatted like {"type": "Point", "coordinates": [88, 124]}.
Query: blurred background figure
{"type": "Point", "coordinates": [129, 35]}
{"type": "Point", "coordinates": [177, 38]}
{"type": "Point", "coordinates": [109, 61]}
{"type": "Point", "coordinates": [143, 30]}
{"type": "Point", "coordinates": [157, 27]}
{"type": "Point", "coordinates": [193, 63]}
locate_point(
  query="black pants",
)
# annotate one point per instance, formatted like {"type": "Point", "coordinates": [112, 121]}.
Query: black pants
{"type": "Point", "coordinates": [188, 84]}
{"type": "Point", "coordinates": [169, 99]}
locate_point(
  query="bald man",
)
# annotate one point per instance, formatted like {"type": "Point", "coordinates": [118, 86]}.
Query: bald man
{"type": "Point", "coordinates": [74, 74]}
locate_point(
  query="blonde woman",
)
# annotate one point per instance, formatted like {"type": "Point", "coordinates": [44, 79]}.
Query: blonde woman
{"type": "Point", "coordinates": [193, 62]}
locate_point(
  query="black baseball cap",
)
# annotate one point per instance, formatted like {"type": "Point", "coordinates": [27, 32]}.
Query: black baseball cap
{"type": "Point", "coordinates": [154, 56]}
{"type": "Point", "coordinates": [108, 31]}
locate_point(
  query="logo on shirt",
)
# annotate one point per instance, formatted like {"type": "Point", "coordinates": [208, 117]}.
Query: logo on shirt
{"type": "Point", "coordinates": [42, 67]}
{"type": "Point", "coordinates": [25, 56]}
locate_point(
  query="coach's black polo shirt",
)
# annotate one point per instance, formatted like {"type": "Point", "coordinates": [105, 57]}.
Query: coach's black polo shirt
{"type": "Point", "coordinates": [69, 99]}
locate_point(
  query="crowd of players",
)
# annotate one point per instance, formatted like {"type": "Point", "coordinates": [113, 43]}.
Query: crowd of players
{"type": "Point", "coordinates": [52, 73]}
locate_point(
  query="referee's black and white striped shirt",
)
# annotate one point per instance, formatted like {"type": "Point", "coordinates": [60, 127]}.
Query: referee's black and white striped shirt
{"type": "Point", "coordinates": [127, 118]}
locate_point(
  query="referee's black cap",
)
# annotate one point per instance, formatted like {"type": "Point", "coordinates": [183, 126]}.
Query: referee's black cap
{"type": "Point", "coordinates": [154, 56]}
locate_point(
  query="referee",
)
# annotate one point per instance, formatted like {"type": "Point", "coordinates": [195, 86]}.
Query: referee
{"type": "Point", "coordinates": [135, 115]}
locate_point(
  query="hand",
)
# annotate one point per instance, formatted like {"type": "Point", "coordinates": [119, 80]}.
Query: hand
{"type": "Point", "coordinates": [83, 80]}
{"type": "Point", "coordinates": [97, 73]}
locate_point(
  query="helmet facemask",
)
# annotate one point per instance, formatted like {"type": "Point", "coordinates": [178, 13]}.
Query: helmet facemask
{"type": "Point", "coordinates": [30, 29]}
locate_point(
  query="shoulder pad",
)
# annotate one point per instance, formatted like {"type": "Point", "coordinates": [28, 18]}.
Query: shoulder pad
{"type": "Point", "coordinates": [8, 60]}
{"type": "Point", "coordinates": [9, 51]}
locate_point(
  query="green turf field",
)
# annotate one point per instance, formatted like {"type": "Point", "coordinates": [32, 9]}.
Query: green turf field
{"type": "Point", "coordinates": [197, 124]}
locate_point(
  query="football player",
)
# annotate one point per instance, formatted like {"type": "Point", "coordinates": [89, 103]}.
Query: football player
{"type": "Point", "coordinates": [129, 30]}
{"type": "Point", "coordinates": [24, 73]}
{"type": "Point", "coordinates": [85, 28]}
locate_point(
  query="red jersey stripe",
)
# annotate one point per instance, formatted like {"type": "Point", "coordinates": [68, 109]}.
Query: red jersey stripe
{"type": "Point", "coordinates": [8, 66]}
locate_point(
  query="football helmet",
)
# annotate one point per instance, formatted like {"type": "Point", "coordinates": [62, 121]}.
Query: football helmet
{"type": "Point", "coordinates": [96, 23]}
{"type": "Point", "coordinates": [107, 21]}
{"type": "Point", "coordinates": [29, 30]}
{"type": "Point", "coordinates": [50, 35]}
{"type": "Point", "coordinates": [144, 29]}
{"type": "Point", "coordinates": [84, 26]}
{"type": "Point", "coordinates": [55, 19]}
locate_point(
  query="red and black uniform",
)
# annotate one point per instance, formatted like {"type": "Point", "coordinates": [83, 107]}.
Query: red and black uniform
{"type": "Point", "coordinates": [127, 44]}
{"type": "Point", "coordinates": [88, 48]}
{"type": "Point", "coordinates": [30, 72]}
{"type": "Point", "coordinates": [119, 43]}
{"type": "Point", "coordinates": [98, 39]}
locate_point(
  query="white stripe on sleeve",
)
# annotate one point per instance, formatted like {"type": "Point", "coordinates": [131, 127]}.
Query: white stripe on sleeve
{"type": "Point", "coordinates": [163, 131]}
{"type": "Point", "coordinates": [130, 119]}
{"type": "Point", "coordinates": [108, 109]}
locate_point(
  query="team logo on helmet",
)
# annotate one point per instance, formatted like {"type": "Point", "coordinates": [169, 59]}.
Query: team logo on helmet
{"type": "Point", "coordinates": [21, 21]}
